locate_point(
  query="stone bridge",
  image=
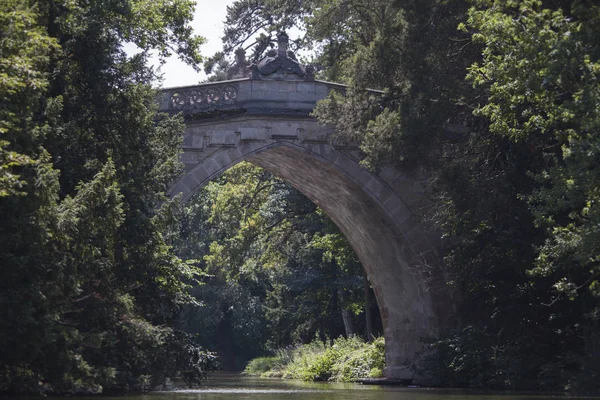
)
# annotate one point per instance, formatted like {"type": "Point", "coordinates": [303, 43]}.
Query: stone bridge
{"type": "Point", "coordinates": [264, 118]}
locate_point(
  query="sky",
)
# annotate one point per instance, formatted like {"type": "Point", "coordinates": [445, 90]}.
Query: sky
{"type": "Point", "coordinates": [208, 22]}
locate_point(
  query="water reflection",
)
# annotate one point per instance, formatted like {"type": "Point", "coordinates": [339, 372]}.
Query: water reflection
{"type": "Point", "coordinates": [230, 387]}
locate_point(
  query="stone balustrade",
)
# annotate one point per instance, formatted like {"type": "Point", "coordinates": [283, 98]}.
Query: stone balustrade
{"type": "Point", "coordinates": [202, 97]}
{"type": "Point", "coordinates": [253, 96]}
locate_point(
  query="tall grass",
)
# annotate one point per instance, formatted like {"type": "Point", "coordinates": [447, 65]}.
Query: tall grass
{"type": "Point", "coordinates": [345, 360]}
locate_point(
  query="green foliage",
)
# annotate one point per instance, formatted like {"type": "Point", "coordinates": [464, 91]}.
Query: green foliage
{"type": "Point", "coordinates": [25, 48]}
{"type": "Point", "coordinates": [412, 52]}
{"type": "Point", "coordinates": [513, 183]}
{"type": "Point", "coordinates": [277, 270]}
{"type": "Point", "coordinates": [345, 360]}
{"type": "Point", "coordinates": [261, 365]}
{"type": "Point", "coordinates": [90, 279]}
{"type": "Point", "coordinates": [88, 282]}
{"type": "Point", "coordinates": [252, 23]}
{"type": "Point", "coordinates": [511, 156]}
{"type": "Point", "coordinates": [365, 361]}
{"type": "Point", "coordinates": [542, 72]}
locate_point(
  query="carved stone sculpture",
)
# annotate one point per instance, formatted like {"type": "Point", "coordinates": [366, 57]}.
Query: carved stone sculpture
{"type": "Point", "coordinates": [281, 62]}
{"type": "Point", "coordinates": [240, 69]}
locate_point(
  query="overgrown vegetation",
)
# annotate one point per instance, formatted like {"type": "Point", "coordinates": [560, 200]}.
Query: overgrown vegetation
{"type": "Point", "coordinates": [278, 271]}
{"type": "Point", "coordinates": [89, 288]}
{"type": "Point", "coordinates": [498, 103]}
{"type": "Point", "coordinates": [342, 360]}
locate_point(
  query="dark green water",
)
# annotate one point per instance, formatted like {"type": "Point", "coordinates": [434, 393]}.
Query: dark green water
{"type": "Point", "coordinates": [224, 387]}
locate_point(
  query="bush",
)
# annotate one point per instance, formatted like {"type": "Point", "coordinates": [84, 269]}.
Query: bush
{"type": "Point", "coordinates": [345, 360]}
{"type": "Point", "coordinates": [366, 361]}
{"type": "Point", "coordinates": [260, 365]}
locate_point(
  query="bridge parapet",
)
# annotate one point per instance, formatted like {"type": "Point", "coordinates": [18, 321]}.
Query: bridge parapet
{"type": "Point", "coordinates": [277, 85]}
{"type": "Point", "coordinates": [250, 96]}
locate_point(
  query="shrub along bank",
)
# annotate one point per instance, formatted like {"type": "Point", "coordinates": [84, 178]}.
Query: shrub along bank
{"type": "Point", "coordinates": [344, 360]}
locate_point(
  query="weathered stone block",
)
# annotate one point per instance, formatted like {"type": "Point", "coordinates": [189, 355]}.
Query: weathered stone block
{"type": "Point", "coordinates": [252, 134]}
{"type": "Point", "coordinates": [400, 212]}
{"type": "Point", "coordinates": [189, 157]}
{"type": "Point", "coordinates": [222, 138]}
{"type": "Point", "coordinates": [314, 136]}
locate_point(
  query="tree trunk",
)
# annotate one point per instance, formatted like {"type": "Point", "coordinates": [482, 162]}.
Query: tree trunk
{"type": "Point", "coordinates": [346, 316]}
{"type": "Point", "coordinates": [368, 301]}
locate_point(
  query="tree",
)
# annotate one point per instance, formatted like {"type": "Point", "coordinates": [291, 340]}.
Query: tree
{"type": "Point", "coordinates": [26, 50]}
{"type": "Point", "coordinates": [510, 155]}
{"type": "Point", "coordinates": [278, 272]}
{"type": "Point", "coordinates": [88, 281]}
{"type": "Point", "coordinates": [254, 24]}
{"type": "Point", "coordinates": [540, 71]}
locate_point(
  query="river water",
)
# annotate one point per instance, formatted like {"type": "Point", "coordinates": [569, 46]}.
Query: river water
{"type": "Point", "coordinates": [227, 387]}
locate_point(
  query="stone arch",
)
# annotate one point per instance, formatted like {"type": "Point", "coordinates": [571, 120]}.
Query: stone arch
{"type": "Point", "coordinates": [393, 247]}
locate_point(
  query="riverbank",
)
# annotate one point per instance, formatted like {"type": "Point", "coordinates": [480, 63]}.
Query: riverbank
{"type": "Point", "coordinates": [344, 360]}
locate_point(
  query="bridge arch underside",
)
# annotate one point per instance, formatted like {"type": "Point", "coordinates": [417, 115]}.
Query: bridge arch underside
{"type": "Point", "coordinates": [391, 246]}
